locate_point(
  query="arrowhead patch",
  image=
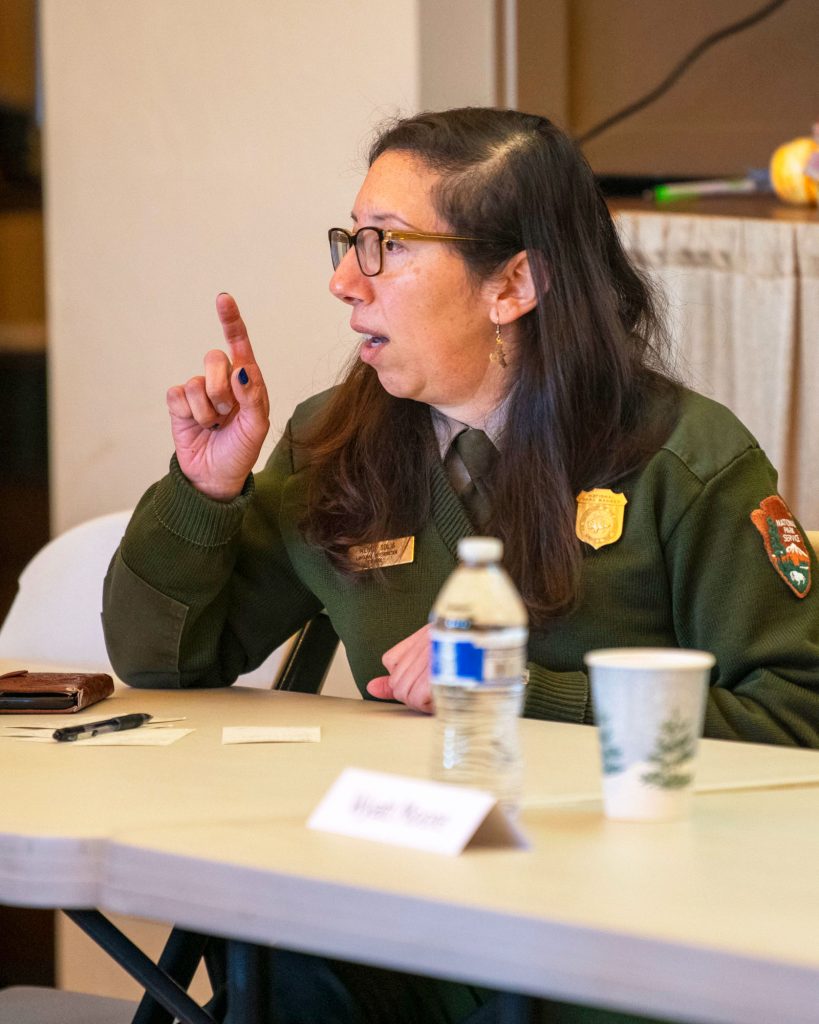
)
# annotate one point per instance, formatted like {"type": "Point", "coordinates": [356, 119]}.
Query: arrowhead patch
{"type": "Point", "coordinates": [786, 547]}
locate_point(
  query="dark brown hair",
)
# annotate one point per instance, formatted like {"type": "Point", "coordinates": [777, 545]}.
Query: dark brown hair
{"type": "Point", "coordinates": [592, 399]}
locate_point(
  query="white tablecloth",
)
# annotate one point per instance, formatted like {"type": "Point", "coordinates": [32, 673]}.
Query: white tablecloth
{"type": "Point", "coordinates": [743, 309]}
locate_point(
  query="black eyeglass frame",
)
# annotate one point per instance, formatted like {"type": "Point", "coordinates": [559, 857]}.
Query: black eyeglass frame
{"type": "Point", "coordinates": [385, 235]}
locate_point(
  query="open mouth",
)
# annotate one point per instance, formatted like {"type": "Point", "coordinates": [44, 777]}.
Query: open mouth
{"type": "Point", "coordinates": [371, 347]}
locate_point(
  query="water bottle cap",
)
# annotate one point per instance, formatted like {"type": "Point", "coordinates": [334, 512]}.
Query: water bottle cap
{"type": "Point", "coordinates": [480, 549]}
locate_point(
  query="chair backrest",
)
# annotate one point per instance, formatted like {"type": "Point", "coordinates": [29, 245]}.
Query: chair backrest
{"type": "Point", "coordinates": [55, 616]}
{"type": "Point", "coordinates": [29, 1005]}
{"type": "Point", "coordinates": [56, 613]}
{"type": "Point", "coordinates": [308, 660]}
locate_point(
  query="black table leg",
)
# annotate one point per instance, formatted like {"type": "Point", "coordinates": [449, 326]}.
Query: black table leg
{"type": "Point", "coordinates": [181, 956]}
{"type": "Point", "coordinates": [131, 958]}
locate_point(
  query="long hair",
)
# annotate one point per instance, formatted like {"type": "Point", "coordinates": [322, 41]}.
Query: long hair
{"type": "Point", "coordinates": [592, 399]}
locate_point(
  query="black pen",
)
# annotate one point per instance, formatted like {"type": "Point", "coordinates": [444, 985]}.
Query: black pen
{"type": "Point", "coordinates": [89, 729]}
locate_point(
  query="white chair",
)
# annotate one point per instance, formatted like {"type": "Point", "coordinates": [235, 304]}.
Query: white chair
{"type": "Point", "coordinates": [55, 616]}
{"type": "Point", "coordinates": [23, 1004]}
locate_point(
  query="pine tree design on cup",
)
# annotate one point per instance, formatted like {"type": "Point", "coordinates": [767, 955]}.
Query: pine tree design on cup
{"type": "Point", "coordinates": [610, 754]}
{"type": "Point", "coordinates": [676, 746]}
{"type": "Point", "coordinates": [649, 706]}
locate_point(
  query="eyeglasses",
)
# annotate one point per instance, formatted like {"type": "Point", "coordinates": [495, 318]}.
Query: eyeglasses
{"type": "Point", "coordinates": [370, 244]}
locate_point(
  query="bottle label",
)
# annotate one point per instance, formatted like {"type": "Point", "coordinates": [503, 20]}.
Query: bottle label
{"type": "Point", "coordinates": [465, 663]}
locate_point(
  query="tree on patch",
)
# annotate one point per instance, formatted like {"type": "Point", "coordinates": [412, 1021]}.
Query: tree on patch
{"type": "Point", "coordinates": [776, 543]}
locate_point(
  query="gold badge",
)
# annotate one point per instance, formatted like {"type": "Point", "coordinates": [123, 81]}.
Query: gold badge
{"type": "Point", "coordinates": [383, 553]}
{"type": "Point", "coordinates": [600, 516]}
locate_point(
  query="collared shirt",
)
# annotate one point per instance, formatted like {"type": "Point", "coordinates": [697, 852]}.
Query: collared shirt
{"type": "Point", "coordinates": [447, 429]}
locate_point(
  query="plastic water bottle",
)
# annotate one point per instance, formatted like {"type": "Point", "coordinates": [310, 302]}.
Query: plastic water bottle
{"type": "Point", "coordinates": [478, 665]}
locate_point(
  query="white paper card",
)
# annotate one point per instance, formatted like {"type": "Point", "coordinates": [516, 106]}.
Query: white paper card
{"type": "Point", "coordinates": [19, 728]}
{"type": "Point", "coordinates": [422, 815]}
{"type": "Point", "coordinates": [143, 737]}
{"type": "Point", "coordinates": [271, 734]}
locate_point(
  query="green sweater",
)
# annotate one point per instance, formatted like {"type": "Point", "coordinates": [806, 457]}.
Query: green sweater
{"type": "Point", "coordinates": [201, 591]}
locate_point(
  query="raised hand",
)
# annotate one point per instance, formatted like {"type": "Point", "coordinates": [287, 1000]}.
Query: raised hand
{"type": "Point", "coordinates": [220, 419]}
{"type": "Point", "coordinates": [408, 667]}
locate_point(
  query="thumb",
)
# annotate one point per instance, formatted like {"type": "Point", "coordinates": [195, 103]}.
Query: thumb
{"type": "Point", "coordinates": [381, 688]}
{"type": "Point", "coordinates": [248, 385]}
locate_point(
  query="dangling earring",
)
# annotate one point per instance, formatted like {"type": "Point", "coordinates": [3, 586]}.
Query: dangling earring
{"type": "Point", "coordinates": [498, 354]}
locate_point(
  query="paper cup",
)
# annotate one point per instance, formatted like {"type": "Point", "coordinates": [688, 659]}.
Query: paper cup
{"type": "Point", "coordinates": [649, 705]}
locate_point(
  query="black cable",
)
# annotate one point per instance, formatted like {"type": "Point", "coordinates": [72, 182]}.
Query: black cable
{"type": "Point", "coordinates": [686, 62]}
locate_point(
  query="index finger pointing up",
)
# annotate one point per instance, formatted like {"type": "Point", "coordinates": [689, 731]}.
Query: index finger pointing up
{"type": "Point", "coordinates": [234, 330]}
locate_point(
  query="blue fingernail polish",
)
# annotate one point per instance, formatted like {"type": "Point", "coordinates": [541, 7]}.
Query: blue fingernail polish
{"type": "Point", "coordinates": [243, 377]}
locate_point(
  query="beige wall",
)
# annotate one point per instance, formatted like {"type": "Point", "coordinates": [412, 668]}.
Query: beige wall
{"type": "Point", "coordinates": [195, 146]}
{"type": "Point", "coordinates": [456, 49]}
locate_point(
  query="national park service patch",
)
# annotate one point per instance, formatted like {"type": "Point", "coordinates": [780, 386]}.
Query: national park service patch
{"type": "Point", "coordinates": [786, 547]}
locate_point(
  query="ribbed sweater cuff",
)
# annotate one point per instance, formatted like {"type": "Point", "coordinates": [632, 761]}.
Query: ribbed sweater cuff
{"type": "Point", "coordinates": [558, 696]}
{"type": "Point", "coordinates": [194, 517]}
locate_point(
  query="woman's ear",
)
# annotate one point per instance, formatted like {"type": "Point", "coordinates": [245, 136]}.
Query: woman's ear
{"type": "Point", "coordinates": [515, 290]}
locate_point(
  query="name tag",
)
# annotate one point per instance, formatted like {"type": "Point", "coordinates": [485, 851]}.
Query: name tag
{"type": "Point", "coordinates": [383, 553]}
{"type": "Point", "coordinates": [433, 816]}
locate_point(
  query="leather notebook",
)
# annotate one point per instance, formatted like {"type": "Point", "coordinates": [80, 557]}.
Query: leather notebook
{"type": "Point", "coordinates": [23, 692]}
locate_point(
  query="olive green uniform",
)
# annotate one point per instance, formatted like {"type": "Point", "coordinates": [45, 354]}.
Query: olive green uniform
{"type": "Point", "coordinates": [201, 591]}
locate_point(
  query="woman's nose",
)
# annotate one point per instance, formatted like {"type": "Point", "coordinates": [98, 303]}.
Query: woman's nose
{"type": "Point", "coordinates": [347, 282]}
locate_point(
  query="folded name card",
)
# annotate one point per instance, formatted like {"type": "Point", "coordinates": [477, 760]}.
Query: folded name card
{"type": "Point", "coordinates": [422, 815]}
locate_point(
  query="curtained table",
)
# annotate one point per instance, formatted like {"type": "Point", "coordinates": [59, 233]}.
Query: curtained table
{"type": "Point", "coordinates": [741, 277]}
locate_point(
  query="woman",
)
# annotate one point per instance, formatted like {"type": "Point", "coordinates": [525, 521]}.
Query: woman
{"type": "Point", "coordinates": [483, 271]}
{"type": "Point", "coordinates": [633, 512]}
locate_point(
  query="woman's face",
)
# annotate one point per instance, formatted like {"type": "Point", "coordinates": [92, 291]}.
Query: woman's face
{"type": "Point", "coordinates": [428, 327]}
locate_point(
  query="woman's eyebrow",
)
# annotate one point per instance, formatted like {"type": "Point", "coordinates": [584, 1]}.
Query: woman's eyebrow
{"type": "Point", "coordinates": [379, 218]}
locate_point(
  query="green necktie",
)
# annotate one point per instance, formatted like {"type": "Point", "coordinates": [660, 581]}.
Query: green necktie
{"type": "Point", "coordinates": [478, 454]}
